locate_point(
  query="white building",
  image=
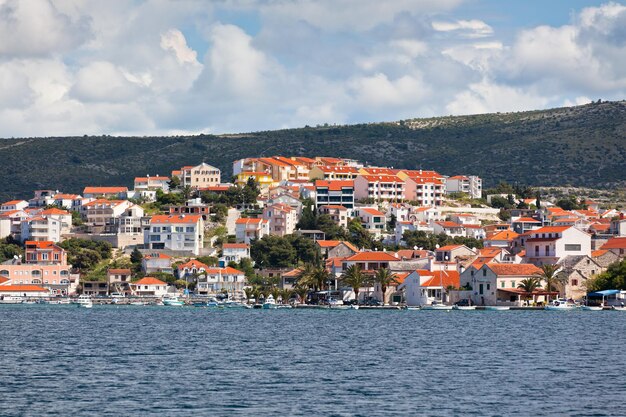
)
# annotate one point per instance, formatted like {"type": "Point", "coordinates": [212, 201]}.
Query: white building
{"type": "Point", "coordinates": [470, 185]}
{"type": "Point", "coordinates": [149, 287]}
{"type": "Point", "coordinates": [176, 233]}
{"type": "Point", "coordinates": [235, 252]}
{"type": "Point", "coordinates": [248, 229]}
{"type": "Point", "coordinates": [547, 245]}
{"type": "Point", "coordinates": [216, 280]}
{"type": "Point", "coordinates": [13, 205]}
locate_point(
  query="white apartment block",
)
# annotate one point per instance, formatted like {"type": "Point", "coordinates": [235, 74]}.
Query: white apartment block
{"type": "Point", "coordinates": [176, 233]}
{"type": "Point", "coordinates": [470, 185]}
{"type": "Point", "coordinates": [549, 244]}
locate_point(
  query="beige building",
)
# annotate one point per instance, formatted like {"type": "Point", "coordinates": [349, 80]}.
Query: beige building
{"type": "Point", "coordinates": [200, 176]}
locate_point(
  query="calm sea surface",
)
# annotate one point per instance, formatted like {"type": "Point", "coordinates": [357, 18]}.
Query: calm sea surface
{"type": "Point", "coordinates": [168, 361]}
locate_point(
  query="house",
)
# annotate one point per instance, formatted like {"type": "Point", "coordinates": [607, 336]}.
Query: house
{"type": "Point", "coordinates": [400, 211]}
{"type": "Point", "coordinates": [44, 253]}
{"type": "Point", "coordinates": [453, 253]}
{"type": "Point", "coordinates": [149, 287]}
{"type": "Point", "coordinates": [199, 176]}
{"type": "Point", "coordinates": [152, 183]}
{"type": "Point", "coordinates": [548, 244]}
{"type": "Point", "coordinates": [288, 199]}
{"type": "Point", "coordinates": [222, 280]}
{"type": "Point", "coordinates": [617, 245]}
{"type": "Point", "coordinates": [449, 228]}
{"type": "Point", "coordinates": [191, 268]}
{"type": "Point", "coordinates": [577, 269]}
{"type": "Point", "coordinates": [264, 179]}
{"type": "Point", "coordinates": [68, 201]}
{"type": "Point", "coordinates": [42, 198]}
{"type": "Point", "coordinates": [525, 224]}
{"type": "Point", "coordinates": [618, 225]}
{"type": "Point", "coordinates": [248, 229]}
{"type": "Point", "coordinates": [426, 191]}
{"type": "Point", "coordinates": [379, 188]}
{"type": "Point", "coordinates": [118, 280]}
{"type": "Point", "coordinates": [336, 248]}
{"type": "Point", "coordinates": [501, 239]}
{"type": "Point", "coordinates": [338, 214]}
{"type": "Point", "coordinates": [470, 185]}
{"type": "Point", "coordinates": [410, 226]}
{"type": "Point", "coordinates": [193, 206]}
{"type": "Point", "coordinates": [428, 215]}
{"type": "Point", "coordinates": [156, 262]}
{"type": "Point", "coordinates": [56, 278]}
{"type": "Point", "coordinates": [373, 221]}
{"type": "Point", "coordinates": [369, 261]}
{"type": "Point", "coordinates": [496, 283]}
{"type": "Point", "coordinates": [23, 290]}
{"type": "Point", "coordinates": [335, 193]}
{"type": "Point", "coordinates": [391, 296]}
{"type": "Point", "coordinates": [423, 287]}
{"type": "Point", "coordinates": [176, 233]}
{"type": "Point", "coordinates": [40, 228]}
{"type": "Point", "coordinates": [13, 205]}
{"type": "Point", "coordinates": [120, 193]}
{"type": "Point", "coordinates": [101, 215]}
{"type": "Point", "coordinates": [464, 219]}
{"type": "Point", "coordinates": [282, 219]}
{"type": "Point", "coordinates": [333, 173]}
{"type": "Point", "coordinates": [235, 252]}
{"type": "Point", "coordinates": [278, 167]}
{"type": "Point", "coordinates": [11, 223]}
{"type": "Point", "coordinates": [63, 216]}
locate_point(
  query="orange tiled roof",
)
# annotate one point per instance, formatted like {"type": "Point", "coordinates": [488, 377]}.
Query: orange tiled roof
{"type": "Point", "coordinates": [176, 218]}
{"type": "Point", "coordinates": [507, 235]}
{"type": "Point", "coordinates": [526, 220]}
{"type": "Point", "coordinates": [235, 246]}
{"type": "Point", "coordinates": [550, 229]}
{"type": "Point", "coordinates": [249, 220]}
{"type": "Point", "coordinates": [514, 269]}
{"type": "Point", "coordinates": [105, 190]}
{"type": "Point", "coordinates": [13, 202]}
{"type": "Point", "coordinates": [334, 185]}
{"type": "Point", "coordinates": [22, 288]}
{"type": "Point", "coordinates": [442, 279]}
{"type": "Point", "coordinates": [373, 256]}
{"type": "Point", "coordinates": [382, 178]}
{"type": "Point", "coordinates": [328, 243]}
{"type": "Point", "coordinates": [615, 243]}
{"type": "Point", "coordinates": [598, 253]}
{"type": "Point", "coordinates": [149, 281]}
{"type": "Point", "coordinates": [193, 263]}
{"type": "Point", "coordinates": [373, 212]}
{"type": "Point", "coordinates": [224, 271]}
{"type": "Point", "coordinates": [53, 211]}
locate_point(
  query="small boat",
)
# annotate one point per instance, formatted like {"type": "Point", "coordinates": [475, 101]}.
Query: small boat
{"type": "Point", "coordinates": [497, 308]}
{"type": "Point", "coordinates": [619, 308]}
{"type": "Point", "coordinates": [337, 304]}
{"type": "Point", "coordinates": [561, 305]}
{"type": "Point", "coordinates": [11, 299]}
{"type": "Point", "coordinates": [413, 308]}
{"type": "Point", "coordinates": [354, 306]}
{"type": "Point", "coordinates": [592, 308]}
{"type": "Point", "coordinates": [84, 301]}
{"type": "Point", "coordinates": [280, 306]}
{"type": "Point", "coordinates": [269, 303]}
{"type": "Point", "coordinates": [465, 307]}
{"type": "Point", "coordinates": [137, 303]}
{"type": "Point", "coordinates": [172, 300]}
{"type": "Point", "coordinates": [235, 304]}
{"type": "Point", "coordinates": [436, 306]}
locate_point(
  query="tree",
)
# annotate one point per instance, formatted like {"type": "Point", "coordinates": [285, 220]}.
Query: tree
{"type": "Point", "coordinates": [301, 292]}
{"type": "Point", "coordinates": [136, 256]}
{"type": "Point", "coordinates": [538, 199]}
{"type": "Point", "coordinates": [384, 277]}
{"type": "Point", "coordinates": [529, 285]}
{"type": "Point", "coordinates": [354, 278]}
{"type": "Point", "coordinates": [614, 278]}
{"type": "Point", "coordinates": [549, 275]}
{"type": "Point", "coordinates": [186, 192]}
{"type": "Point", "coordinates": [272, 251]}
{"type": "Point", "coordinates": [306, 250]}
{"type": "Point", "coordinates": [570, 203]}
{"type": "Point", "coordinates": [308, 219]}
{"type": "Point", "coordinates": [391, 224]}
{"type": "Point", "coordinates": [173, 183]}
{"type": "Point", "coordinates": [250, 191]}
{"type": "Point", "coordinates": [9, 249]}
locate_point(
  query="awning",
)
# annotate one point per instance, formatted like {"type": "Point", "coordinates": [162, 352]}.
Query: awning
{"type": "Point", "coordinates": [603, 293]}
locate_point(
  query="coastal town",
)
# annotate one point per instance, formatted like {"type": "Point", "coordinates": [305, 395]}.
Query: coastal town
{"type": "Point", "coordinates": [318, 232]}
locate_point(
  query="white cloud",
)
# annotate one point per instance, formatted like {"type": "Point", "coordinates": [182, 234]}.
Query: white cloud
{"type": "Point", "coordinates": [103, 81]}
{"type": "Point", "coordinates": [37, 28]}
{"type": "Point", "coordinates": [175, 41]}
{"type": "Point", "coordinates": [468, 28]}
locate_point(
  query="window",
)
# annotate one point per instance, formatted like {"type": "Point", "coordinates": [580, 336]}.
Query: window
{"type": "Point", "coordinates": [574, 283]}
{"type": "Point", "coordinates": [484, 272]}
{"type": "Point", "coordinates": [488, 287]}
{"type": "Point", "coordinates": [512, 284]}
{"type": "Point", "coordinates": [572, 248]}
{"type": "Point", "coordinates": [502, 284]}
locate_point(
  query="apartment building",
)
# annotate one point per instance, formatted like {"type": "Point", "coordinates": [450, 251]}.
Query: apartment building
{"type": "Point", "coordinates": [176, 233]}
{"type": "Point", "coordinates": [388, 188]}
{"type": "Point", "coordinates": [470, 185]}
{"type": "Point", "coordinates": [248, 229]}
{"type": "Point", "coordinates": [199, 176]}
{"type": "Point", "coordinates": [341, 193]}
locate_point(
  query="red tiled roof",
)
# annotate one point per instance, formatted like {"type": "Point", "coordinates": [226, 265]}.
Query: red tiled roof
{"type": "Point", "coordinates": [442, 279]}
{"type": "Point", "coordinates": [449, 247]}
{"type": "Point", "coordinates": [173, 219]}
{"type": "Point", "coordinates": [598, 253]}
{"type": "Point", "coordinates": [550, 229]}
{"type": "Point", "coordinates": [193, 263]}
{"type": "Point", "coordinates": [13, 202]}
{"type": "Point", "coordinates": [105, 190]}
{"type": "Point", "coordinates": [235, 246]}
{"type": "Point", "coordinates": [334, 185]}
{"type": "Point", "coordinates": [151, 178]}
{"type": "Point", "coordinates": [373, 212]}
{"type": "Point", "coordinates": [248, 220]}
{"type": "Point", "coordinates": [514, 269]}
{"type": "Point", "coordinates": [526, 220]}
{"type": "Point", "coordinates": [373, 256]}
{"type": "Point", "coordinates": [382, 178]}
{"type": "Point", "coordinates": [224, 271]}
{"type": "Point", "coordinates": [328, 243]}
{"type": "Point", "coordinates": [149, 281]}
{"type": "Point", "coordinates": [449, 225]}
{"type": "Point", "coordinates": [615, 243]}
{"type": "Point", "coordinates": [22, 288]}
{"type": "Point", "coordinates": [55, 211]}
{"type": "Point", "coordinates": [507, 235]}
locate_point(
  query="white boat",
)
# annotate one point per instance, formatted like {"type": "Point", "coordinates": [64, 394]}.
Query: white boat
{"type": "Point", "coordinates": [172, 300]}
{"type": "Point", "coordinates": [592, 308]}
{"type": "Point", "coordinates": [11, 299]}
{"type": "Point", "coordinates": [269, 303]}
{"type": "Point", "coordinates": [84, 301]}
{"type": "Point", "coordinates": [137, 303]}
{"type": "Point", "coordinates": [619, 308]}
{"type": "Point", "coordinates": [465, 307]}
{"type": "Point", "coordinates": [354, 306]}
{"type": "Point", "coordinates": [235, 304]}
{"type": "Point", "coordinates": [497, 308]}
{"type": "Point", "coordinates": [337, 304]}
{"type": "Point", "coordinates": [413, 308]}
{"type": "Point", "coordinates": [436, 306]}
{"type": "Point", "coordinates": [561, 305]}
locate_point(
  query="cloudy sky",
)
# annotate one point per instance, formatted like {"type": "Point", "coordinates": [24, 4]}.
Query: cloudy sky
{"type": "Point", "coordinates": [74, 67]}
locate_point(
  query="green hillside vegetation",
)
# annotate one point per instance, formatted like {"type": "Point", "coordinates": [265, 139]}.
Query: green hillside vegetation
{"type": "Point", "coordinates": [583, 145]}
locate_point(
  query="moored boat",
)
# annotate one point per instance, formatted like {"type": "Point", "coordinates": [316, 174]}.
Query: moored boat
{"type": "Point", "coordinates": [497, 308]}
{"type": "Point", "coordinates": [11, 299]}
{"type": "Point", "coordinates": [269, 303]}
{"type": "Point", "coordinates": [84, 301]}
{"type": "Point", "coordinates": [172, 300]}
{"type": "Point", "coordinates": [436, 306]}
{"type": "Point", "coordinates": [465, 307]}
{"type": "Point", "coordinates": [561, 305]}
{"type": "Point", "coordinates": [592, 308]}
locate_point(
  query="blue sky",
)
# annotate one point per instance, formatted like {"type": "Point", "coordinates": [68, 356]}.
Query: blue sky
{"type": "Point", "coordinates": [73, 67]}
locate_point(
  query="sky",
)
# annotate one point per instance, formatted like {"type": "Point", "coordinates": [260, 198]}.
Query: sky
{"type": "Point", "coordinates": [156, 67]}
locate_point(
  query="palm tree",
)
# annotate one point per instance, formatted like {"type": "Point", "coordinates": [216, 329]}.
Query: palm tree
{"type": "Point", "coordinates": [354, 278]}
{"type": "Point", "coordinates": [302, 292]}
{"type": "Point", "coordinates": [529, 285]}
{"type": "Point", "coordinates": [384, 277]}
{"type": "Point", "coordinates": [549, 275]}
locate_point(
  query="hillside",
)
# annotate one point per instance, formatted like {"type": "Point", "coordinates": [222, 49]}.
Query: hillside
{"type": "Point", "coordinates": [583, 145]}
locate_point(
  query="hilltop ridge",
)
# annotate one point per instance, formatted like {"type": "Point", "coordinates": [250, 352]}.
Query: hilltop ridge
{"type": "Point", "coordinates": [581, 145]}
